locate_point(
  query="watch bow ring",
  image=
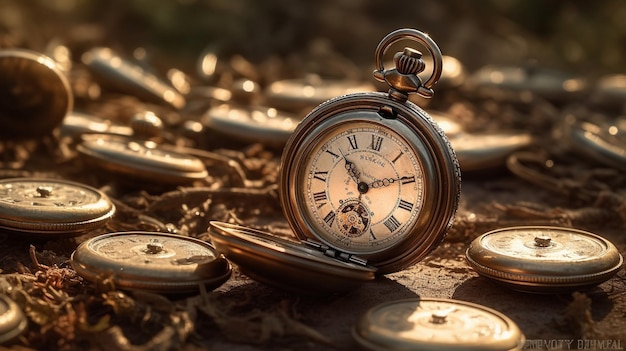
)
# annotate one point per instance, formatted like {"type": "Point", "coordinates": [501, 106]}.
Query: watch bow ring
{"type": "Point", "coordinates": [403, 79]}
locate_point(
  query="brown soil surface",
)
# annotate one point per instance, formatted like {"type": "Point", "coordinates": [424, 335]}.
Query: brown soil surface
{"type": "Point", "coordinates": [66, 312]}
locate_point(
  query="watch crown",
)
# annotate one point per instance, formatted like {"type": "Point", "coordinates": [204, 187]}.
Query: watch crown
{"type": "Point", "coordinates": [409, 61]}
{"type": "Point", "coordinates": [403, 79]}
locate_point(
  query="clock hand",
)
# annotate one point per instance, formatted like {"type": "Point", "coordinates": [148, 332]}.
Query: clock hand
{"type": "Point", "coordinates": [379, 183]}
{"type": "Point", "coordinates": [351, 168]}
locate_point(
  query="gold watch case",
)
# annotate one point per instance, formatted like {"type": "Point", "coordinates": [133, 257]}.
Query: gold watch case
{"type": "Point", "coordinates": [52, 206]}
{"type": "Point", "coordinates": [296, 95]}
{"type": "Point", "coordinates": [486, 151]}
{"type": "Point", "coordinates": [35, 94]}
{"type": "Point", "coordinates": [508, 81]}
{"type": "Point", "coordinates": [151, 261]}
{"type": "Point", "coordinates": [251, 123]}
{"type": "Point", "coordinates": [436, 324]}
{"type": "Point", "coordinates": [12, 320]}
{"type": "Point", "coordinates": [371, 174]}
{"type": "Point", "coordinates": [601, 142]}
{"type": "Point", "coordinates": [141, 159]}
{"type": "Point", "coordinates": [544, 259]}
{"type": "Point", "coordinates": [76, 124]}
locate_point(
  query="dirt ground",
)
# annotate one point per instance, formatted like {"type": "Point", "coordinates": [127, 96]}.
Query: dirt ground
{"type": "Point", "coordinates": [285, 39]}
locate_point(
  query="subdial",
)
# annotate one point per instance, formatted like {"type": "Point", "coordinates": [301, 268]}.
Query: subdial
{"type": "Point", "coordinates": [353, 218]}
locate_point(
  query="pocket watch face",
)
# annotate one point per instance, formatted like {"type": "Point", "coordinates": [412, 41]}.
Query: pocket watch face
{"type": "Point", "coordinates": [363, 184]}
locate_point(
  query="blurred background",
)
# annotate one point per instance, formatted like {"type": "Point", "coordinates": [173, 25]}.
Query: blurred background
{"type": "Point", "coordinates": [586, 37]}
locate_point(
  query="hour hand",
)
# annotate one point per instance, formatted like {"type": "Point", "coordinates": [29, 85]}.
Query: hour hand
{"type": "Point", "coordinates": [351, 168]}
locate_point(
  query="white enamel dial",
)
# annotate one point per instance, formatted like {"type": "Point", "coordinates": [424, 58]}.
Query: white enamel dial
{"type": "Point", "coordinates": [363, 186]}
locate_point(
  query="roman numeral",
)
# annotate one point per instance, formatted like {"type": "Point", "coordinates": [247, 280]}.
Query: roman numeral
{"type": "Point", "coordinates": [320, 175]}
{"type": "Point", "coordinates": [397, 157]}
{"type": "Point", "coordinates": [407, 180]}
{"type": "Point", "coordinates": [330, 218]}
{"type": "Point", "coordinates": [377, 142]}
{"type": "Point", "coordinates": [372, 234]}
{"type": "Point", "coordinates": [334, 155]}
{"type": "Point", "coordinates": [392, 223]}
{"type": "Point", "coordinates": [352, 140]}
{"type": "Point", "coordinates": [320, 198]}
{"type": "Point", "coordinates": [405, 205]}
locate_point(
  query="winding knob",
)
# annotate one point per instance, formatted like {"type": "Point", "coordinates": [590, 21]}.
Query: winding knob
{"type": "Point", "coordinates": [409, 61]}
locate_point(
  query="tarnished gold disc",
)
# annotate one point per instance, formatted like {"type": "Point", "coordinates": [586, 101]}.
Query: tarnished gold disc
{"type": "Point", "coordinates": [141, 159]}
{"type": "Point", "coordinates": [436, 324]}
{"type": "Point", "coordinates": [151, 261]}
{"type": "Point", "coordinates": [52, 206]}
{"type": "Point", "coordinates": [544, 259]}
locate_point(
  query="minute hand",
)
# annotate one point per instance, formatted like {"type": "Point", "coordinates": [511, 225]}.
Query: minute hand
{"type": "Point", "coordinates": [379, 183]}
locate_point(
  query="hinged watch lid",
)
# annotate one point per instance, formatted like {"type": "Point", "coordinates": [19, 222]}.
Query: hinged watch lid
{"type": "Point", "coordinates": [12, 319]}
{"type": "Point", "coordinates": [544, 259]}
{"type": "Point", "coordinates": [151, 261]}
{"type": "Point", "coordinates": [436, 324]}
{"type": "Point", "coordinates": [51, 206]}
{"type": "Point", "coordinates": [306, 268]}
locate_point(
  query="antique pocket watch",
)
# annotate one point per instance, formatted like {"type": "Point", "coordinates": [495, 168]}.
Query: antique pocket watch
{"type": "Point", "coordinates": [151, 261]}
{"type": "Point", "coordinates": [544, 259]}
{"type": "Point", "coordinates": [436, 324]}
{"type": "Point", "coordinates": [370, 177]}
{"type": "Point", "coordinates": [50, 207]}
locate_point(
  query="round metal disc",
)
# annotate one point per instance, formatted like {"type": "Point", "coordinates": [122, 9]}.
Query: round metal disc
{"type": "Point", "coordinates": [35, 95]}
{"type": "Point", "coordinates": [606, 144]}
{"type": "Point", "coordinates": [544, 259]}
{"type": "Point", "coordinates": [487, 150]}
{"type": "Point", "coordinates": [436, 324]}
{"type": "Point", "coordinates": [253, 124]}
{"type": "Point", "coordinates": [77, 123]}
{"type": "Point", "coordinates": [544, 82]}
{"type": "Point", "coordinates": [12, 319]}
{"type": "Point", "coordinates": [141, 159]}
{"type": "Point", "coordinates": [51, 206]}
{"type": "Point", "coordinates": [151, 261]}
{"type": "Point", "coordinates": [298, 94]}
{"type": "Point", "coordinates": [128, 77]}
{"type": "Point", "coordinates": [610, 90]}
{"type": "Point", "coordinates": [286, 264]}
